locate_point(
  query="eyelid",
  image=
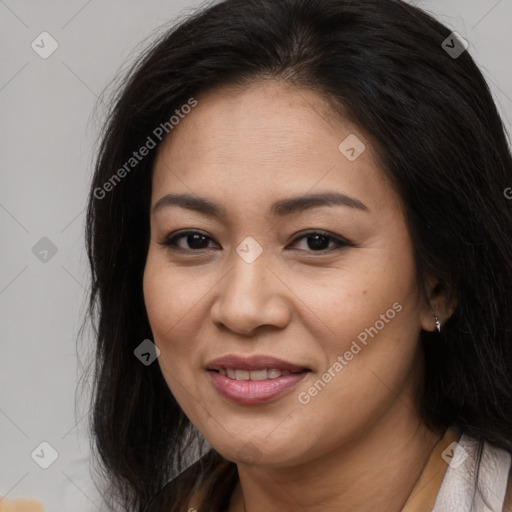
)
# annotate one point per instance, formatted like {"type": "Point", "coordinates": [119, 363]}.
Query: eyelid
{"type": "Point", "coordinates": [338, 240]}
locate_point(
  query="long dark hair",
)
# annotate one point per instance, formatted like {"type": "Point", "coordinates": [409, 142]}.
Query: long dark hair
{"type": "Point", "coordinates": [440, 141]}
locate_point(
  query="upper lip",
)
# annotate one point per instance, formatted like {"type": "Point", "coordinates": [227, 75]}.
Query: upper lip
{"type": "Point", "coordinates": [257, 362]}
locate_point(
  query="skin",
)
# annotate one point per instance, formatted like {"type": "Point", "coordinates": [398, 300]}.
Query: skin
{"type": "Point", "coordinates": [359, 444]}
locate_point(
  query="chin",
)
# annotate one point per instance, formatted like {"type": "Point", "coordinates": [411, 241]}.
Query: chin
{"type": "Point", "coordinates": [256, 450]}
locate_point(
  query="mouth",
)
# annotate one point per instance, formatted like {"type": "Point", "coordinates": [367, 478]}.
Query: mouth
{"type": "Point", "coordinates": [255, 379]}
{"type": "Point", "coordinates": [257, 375]}
{"type": "Point", "coordinates": [253, 363]}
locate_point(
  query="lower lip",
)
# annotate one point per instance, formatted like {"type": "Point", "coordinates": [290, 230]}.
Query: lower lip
{"type": "Point", "coordinates": [250, 392]}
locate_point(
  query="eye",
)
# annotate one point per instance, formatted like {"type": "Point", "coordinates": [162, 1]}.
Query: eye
{"type": "Point", "coordinates": [194, 241]}
{"type": "Point", "coordinates": [317, 241]}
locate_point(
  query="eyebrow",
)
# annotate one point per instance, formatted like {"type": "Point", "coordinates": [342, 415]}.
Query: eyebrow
{"type": "Point", "coordinates": [280, 208]}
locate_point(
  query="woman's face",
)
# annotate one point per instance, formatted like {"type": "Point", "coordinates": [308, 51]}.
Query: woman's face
{"type": "Point", "coordinates": [255, 283]}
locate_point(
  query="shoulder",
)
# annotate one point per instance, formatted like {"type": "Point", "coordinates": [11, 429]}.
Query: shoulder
{"type": "Point", "coordinates": [496, 472]}
{"type": "Point", "coordinates": [478, 473]}
{"type": "Point", "coordinates": [499, 469]}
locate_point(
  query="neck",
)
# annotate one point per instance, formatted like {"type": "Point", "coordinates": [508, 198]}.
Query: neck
{"type": "Point", "coordinates": [375, 470]}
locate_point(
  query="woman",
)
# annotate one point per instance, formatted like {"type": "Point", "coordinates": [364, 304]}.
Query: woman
{"type": "Point", "coordinates": [301, 204]}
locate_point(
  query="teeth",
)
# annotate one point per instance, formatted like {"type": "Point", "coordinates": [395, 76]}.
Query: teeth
{"type": "Point", "coordinates": [273, 373]}
{"type": "Point", "coordinates": [242, 375]}
{"type": "Point", "coordinates": [266, 373]}
{"type": "Point", "coordinates": [257, 375]}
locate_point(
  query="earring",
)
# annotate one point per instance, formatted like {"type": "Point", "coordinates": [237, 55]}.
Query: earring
{"type": "Point", "coordinates": [438, 323]}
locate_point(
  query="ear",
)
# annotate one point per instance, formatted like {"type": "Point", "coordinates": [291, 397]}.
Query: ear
{"type": "Point", "coordinates": [438, 301]}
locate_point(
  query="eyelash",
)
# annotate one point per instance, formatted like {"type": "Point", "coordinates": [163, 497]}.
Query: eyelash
{"type": "Point", "coordinates": [170, 241]}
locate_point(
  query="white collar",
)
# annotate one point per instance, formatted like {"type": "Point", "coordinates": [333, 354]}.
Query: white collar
{"type": "Point", "coordinates": [457, 488]}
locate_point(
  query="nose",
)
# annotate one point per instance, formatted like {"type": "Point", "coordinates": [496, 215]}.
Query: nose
{"type": "Point", "coordinates": [250, 296]}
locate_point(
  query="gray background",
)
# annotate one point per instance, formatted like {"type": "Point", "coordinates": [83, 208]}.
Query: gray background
{"type": "Point", "coordinates": [50, 116]}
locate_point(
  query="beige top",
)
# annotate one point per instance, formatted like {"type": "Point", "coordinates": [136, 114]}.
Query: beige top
{"type": "Point", "coordinates": [424, 494]}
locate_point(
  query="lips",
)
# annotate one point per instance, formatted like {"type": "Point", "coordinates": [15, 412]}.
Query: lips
{"type": "Point", "coordinates": [255, 379]}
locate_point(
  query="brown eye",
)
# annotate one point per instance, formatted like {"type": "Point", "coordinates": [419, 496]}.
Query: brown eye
{"type": "Point", "coordinates": [193, 239]}
{"type": "Point", "coordinates": [318, 241]}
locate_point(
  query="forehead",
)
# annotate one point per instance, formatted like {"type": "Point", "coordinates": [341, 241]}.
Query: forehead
{"type": "Point", "coordinates": [272, 121]}
{"type": "Point", "coordinates": [263, 141]}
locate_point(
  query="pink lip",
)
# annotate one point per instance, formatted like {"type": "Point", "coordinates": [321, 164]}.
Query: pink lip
{"type": "Point", "coordinates": [252, 363]}
{"type": "Point", "coordinates": [250, 392]}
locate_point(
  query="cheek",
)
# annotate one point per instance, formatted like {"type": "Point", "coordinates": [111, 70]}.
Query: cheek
{"type": "Point", "coordinates": [374, 316]}
{"type": "Point", "coordinates": [173, 303]}
{"type": "Point", "coordinates": [374, 295]}
{"type": "Point", "coordinates": [173, 307]}
{"type": "Point", "coordinates": [372, 313]}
